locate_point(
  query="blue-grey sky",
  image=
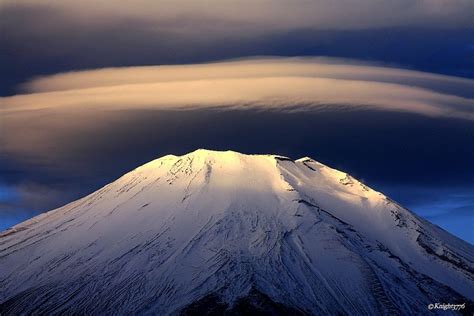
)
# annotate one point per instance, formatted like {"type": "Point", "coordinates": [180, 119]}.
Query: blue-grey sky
{"type": "Point", "coordinates": [423, 159]}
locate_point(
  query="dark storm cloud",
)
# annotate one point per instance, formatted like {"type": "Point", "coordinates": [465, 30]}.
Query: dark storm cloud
{"type": "Point", "coordinates": [48, 36]}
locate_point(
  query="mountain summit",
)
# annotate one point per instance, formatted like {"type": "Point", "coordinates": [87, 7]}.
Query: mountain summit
{"type": "Point", "coordinates": [222, 232]}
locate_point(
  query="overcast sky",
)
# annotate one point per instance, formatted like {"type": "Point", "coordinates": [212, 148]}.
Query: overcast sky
{"type": "Point", "coordinates": [380, 89]}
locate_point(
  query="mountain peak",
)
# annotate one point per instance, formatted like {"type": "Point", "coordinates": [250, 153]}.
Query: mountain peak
{"type": "Point", "coordinates": [222, 154]}
{"type": "Point", "coordinates": [226, 229]}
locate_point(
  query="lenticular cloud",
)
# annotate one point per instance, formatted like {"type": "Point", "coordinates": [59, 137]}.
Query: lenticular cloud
{"type": "Point", "coordinates": [288, 84]}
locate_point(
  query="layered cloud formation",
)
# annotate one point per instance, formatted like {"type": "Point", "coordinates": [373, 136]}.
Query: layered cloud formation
{"type": "Point", "coordinates": [285, 84]}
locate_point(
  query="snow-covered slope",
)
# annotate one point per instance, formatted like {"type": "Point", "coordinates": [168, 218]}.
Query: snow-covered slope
{"type": "Point", "coordinates": [227, 231]}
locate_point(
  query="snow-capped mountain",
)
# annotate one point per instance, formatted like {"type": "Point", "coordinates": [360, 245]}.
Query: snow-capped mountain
{"type": "Point", "coordinates": [214, 232]}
